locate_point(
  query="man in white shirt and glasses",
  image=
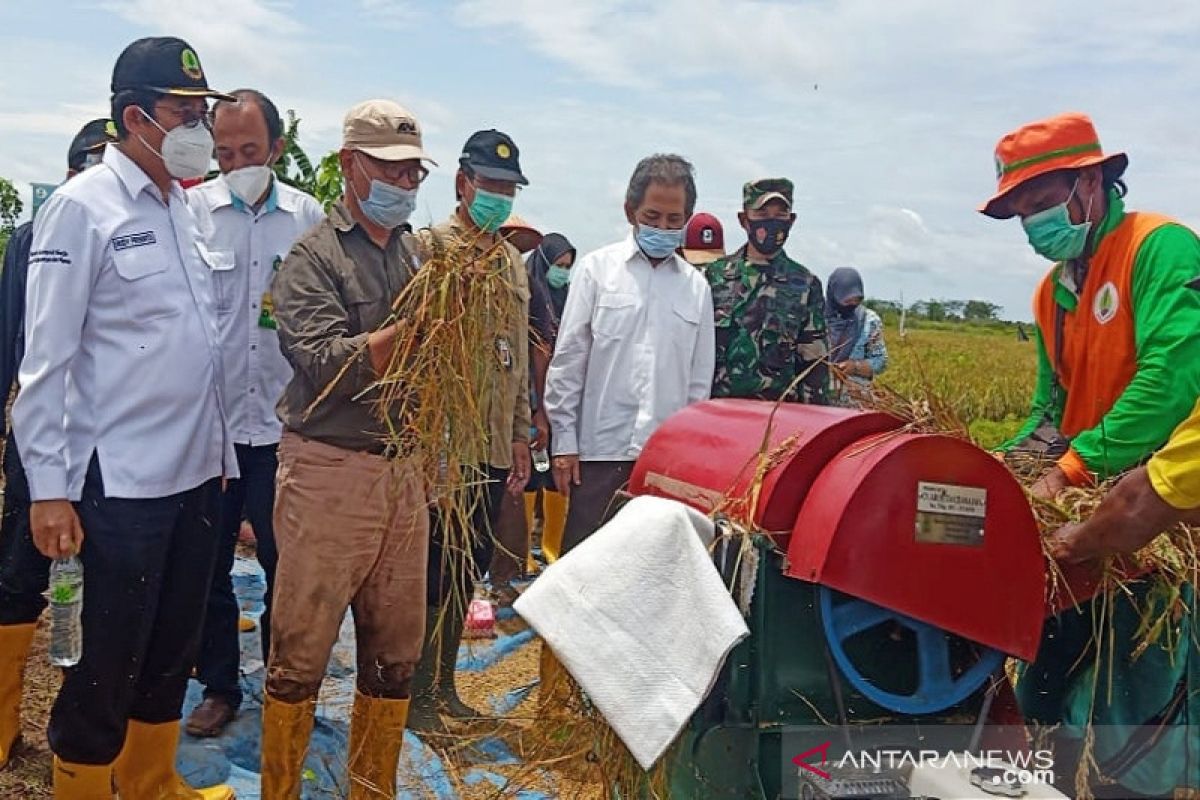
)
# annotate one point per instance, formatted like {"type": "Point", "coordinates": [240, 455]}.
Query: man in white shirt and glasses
{"type": "Point", "coordinates": [635, 345]}
{"type": "Point", "coordinates": [121, 424]}
{"type": "Point", "coordinates": [249, 220]}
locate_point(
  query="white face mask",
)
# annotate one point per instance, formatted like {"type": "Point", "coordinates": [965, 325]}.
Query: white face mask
{"type": "Point", "coordinates": [186, 149]}
{"type": "Point", "coordinates": [248, 184]}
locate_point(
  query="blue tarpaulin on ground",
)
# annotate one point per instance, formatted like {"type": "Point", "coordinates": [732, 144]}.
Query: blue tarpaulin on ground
{"type": "Point", "coordinates": [233, 757]}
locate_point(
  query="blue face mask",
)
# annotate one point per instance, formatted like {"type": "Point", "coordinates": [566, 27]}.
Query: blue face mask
{"type": "Point", "coordinates": [1052, 235]}
{"type": "Point", "coordinates": [386, 205]}
{"type": "Point", "coordinates": [557, 276]}
{"type": "Point", "coordinates": [489, 210]}
{"type": "Point", "coordinates": [656, 242]}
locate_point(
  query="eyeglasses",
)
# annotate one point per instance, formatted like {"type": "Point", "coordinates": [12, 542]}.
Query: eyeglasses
{"type": "Point", "coordinates": [399, 172]}
{"type": "Point", "coordinates": [188, 115]}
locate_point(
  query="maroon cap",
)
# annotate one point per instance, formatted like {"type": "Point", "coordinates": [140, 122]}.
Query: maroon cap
{"type": "Point", "coordinates": [703, 239]}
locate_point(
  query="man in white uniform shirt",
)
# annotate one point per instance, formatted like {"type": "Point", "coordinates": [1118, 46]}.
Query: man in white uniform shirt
{"type": "Point", "coordinates": [121, 425]}
{"type": "Point", "coordinates": [249, 221]}
{"type": "Point", "coordinates": [635, 345]}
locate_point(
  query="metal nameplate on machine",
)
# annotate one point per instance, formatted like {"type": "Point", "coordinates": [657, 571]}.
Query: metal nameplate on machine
{"type": "Point", "coordinates": [948, 514]}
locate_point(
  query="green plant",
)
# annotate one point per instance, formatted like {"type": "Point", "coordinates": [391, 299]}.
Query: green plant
{"type": "Point", "coordinates": [10, 209]}
{"type": "Point", "coordinates": [327, 187]}
{"type": "Point", "coordinates": [294, 167]}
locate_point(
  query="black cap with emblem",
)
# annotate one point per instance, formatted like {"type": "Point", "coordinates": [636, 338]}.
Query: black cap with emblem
{"type": "Point", "coordinates": [91, 139]}
{"type": "Point", "coordinates": [492, 154]}
{"type": "Point", "coordinates": [163, 64]}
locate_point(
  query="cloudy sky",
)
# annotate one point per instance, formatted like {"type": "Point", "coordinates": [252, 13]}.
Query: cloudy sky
{"type": "Point", "coordinates": [884, 113]}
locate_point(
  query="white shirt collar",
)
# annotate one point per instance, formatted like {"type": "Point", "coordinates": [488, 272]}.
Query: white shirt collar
{"type": "Point", "coordinates": [217, 193]}
{"type": "Point", "coordinates": [133, 177]}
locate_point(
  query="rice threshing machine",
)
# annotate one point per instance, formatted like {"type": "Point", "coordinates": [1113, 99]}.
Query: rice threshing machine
{"type": "Point", "coordinates": [895, 574]}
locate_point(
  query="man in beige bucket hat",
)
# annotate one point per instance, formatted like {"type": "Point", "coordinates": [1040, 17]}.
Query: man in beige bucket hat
{"type": "Point", "coordinates": [350, 517]}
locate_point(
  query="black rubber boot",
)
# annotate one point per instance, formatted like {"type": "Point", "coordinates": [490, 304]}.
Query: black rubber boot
{"type": "Point", "coordinates": [423, 714]}
{"type": "Point", "coordinates": [445, 689]}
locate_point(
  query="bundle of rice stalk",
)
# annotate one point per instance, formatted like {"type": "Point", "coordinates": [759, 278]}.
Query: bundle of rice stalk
{"type": "Point", "coordinates": [433, 395]}
{"type": "Point", "coordinates": [927, 412]}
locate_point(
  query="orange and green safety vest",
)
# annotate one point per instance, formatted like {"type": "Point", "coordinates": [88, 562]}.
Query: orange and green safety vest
{"type": "Point", "coordinates": [1129, 368]}
{"type": "Point", "coordinates": [1128, 373]}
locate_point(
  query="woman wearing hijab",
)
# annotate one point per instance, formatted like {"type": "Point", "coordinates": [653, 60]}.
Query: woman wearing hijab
{"type": "Point", "coordinates": [856, 343]}
{"type": "Point", "coordinates": [549, 266]}
{"type": "Point", "coordinates": [551, 263]}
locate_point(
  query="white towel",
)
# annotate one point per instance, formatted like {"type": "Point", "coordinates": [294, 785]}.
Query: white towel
{"type": "Point", "coordinates": [639, 616]}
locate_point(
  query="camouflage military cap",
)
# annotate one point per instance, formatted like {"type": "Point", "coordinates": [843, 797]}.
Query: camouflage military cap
{"type": "Point", "coordinates": [756, 194]}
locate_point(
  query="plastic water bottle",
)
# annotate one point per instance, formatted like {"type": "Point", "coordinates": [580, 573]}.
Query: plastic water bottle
{"type": "Point", "coordinates": [66, 612]}
{"type": "Point", "coordinates": [541, 459]}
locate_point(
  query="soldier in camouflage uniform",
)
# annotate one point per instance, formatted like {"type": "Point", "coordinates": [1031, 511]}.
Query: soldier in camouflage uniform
{"type": "Point", "coordinates": [769, 309]}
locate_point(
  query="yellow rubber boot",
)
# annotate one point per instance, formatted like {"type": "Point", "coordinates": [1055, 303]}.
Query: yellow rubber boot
{"type": "Point", "coordinates": [285, 734]}
{"type": "Point", "coordinates": [530, 507]}
{"type": "Point", "coordinates": [145, 769]}
{"type": "Point", "coordinates": [14, 650]}
{"type": "Point", "coordinates": [555, 507]}
{"type": "Point", "coordinates": [531, 564]}
{"type": "Point", "coordinates": [246, 625]}
{"type": "Point", "coordinates": [82, 781]}
{"type": "Point", "coordinates": [376, 736]}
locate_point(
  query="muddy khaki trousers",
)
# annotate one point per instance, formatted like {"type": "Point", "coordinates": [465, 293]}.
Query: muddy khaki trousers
{"type": "Point", "coordinates": [352, 529]}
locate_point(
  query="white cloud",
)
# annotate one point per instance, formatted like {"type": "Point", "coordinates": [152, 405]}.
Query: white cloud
{"type": "Point", "coordinates": [261, 37]}
{"type": "Point", "coordinates": [884, 114]}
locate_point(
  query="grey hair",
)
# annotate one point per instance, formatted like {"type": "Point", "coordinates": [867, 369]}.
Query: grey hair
{"type": "Point", "coordinates": [665, 168]}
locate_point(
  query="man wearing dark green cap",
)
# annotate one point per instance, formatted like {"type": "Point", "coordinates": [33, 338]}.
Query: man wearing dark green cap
{"type": "Point", "coordinates": [769, 309]}
{"type": "Point", "coordinates": [122, 428]}
{"type": "Point", "coordinates": [24, 572]}
{"type": "Point", "coordinates": [486, 185]}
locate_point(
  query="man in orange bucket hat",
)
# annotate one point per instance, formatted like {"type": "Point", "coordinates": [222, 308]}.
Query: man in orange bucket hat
{"type": "Point", "coordinates": [1118, 338]}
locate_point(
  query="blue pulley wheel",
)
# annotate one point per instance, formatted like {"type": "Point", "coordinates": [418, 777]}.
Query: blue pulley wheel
{"type": "Point", "coordinates": [940, 682]}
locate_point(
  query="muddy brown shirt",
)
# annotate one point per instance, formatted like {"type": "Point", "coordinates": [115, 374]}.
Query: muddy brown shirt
{"type": "Point", "coordinates": [508, 396]}
{"type": "Point", "coordinates": [334, 288]}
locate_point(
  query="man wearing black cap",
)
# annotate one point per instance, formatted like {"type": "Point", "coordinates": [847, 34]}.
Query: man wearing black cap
{"type": "Point", "coordinates": [121, 425]}
{"type": "Point", "coordinates": [489, 176]}
{"type": "Point", "coordinates": [24, 572]}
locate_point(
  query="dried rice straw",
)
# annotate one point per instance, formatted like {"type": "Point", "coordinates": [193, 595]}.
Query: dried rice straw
{"type": "Point", "coordinates": [1169, 561]}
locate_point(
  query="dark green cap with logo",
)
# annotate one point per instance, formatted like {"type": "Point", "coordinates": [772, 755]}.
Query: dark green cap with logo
{"type": "Point", "coordinates": [163, 64]}
{"type": "Point", "coordinates": [756, 194]}
{"type": "Point", "coordinates": [493, 155]}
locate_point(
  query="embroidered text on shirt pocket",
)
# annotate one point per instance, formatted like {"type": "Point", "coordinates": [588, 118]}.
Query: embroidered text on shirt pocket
{"type": "Point", "coordinates": [614, 314]}
{"type": "Point", "coordinates": [145, 284]}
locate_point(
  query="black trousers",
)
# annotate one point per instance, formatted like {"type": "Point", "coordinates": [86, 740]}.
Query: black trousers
{"type": "Point", "coordinates": [592, 499]}
{"type": "Point", "coordinates": [441, 579]}
{"type": "Point", "coordinates": [252, 496]}
{"type": "Point", "coordinates": [24, 572]}
{"type": "Point", "coordinates": [147, 566]}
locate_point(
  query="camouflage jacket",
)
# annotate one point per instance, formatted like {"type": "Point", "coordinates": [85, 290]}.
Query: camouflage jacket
{"type": "Point", "coordinates": [770, 325]}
